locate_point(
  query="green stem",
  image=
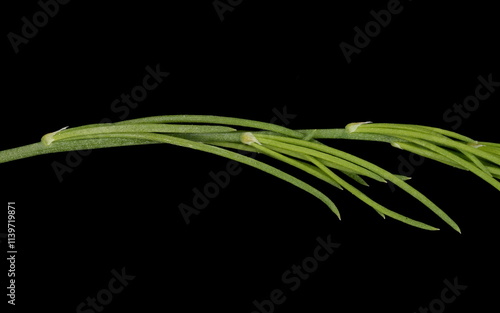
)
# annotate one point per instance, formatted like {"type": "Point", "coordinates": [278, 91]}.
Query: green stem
{"type": "Point", "coordinates": [64, 146]}
{"type": "Point", "coordinates": [233, 137]}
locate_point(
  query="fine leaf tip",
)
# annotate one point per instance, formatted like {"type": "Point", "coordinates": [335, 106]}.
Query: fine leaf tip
{"type": "Point", "coordinates": [403, 177]}
{"type": "Point", "coordinates": [334, 208]}
{"type": "Point", "coordinates": [454, 226]}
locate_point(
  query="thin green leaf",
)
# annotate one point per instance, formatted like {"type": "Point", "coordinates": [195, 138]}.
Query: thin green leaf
{"type": "Point", "coordinates": [346, 163]}
{"type": "Point", "coordinates": [373, 168]}
{"type": "Point", "coordinates": [230, 155]}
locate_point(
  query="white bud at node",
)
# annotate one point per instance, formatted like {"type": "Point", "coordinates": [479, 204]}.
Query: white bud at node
{"type": "Point", "coordinates": [248, 139]}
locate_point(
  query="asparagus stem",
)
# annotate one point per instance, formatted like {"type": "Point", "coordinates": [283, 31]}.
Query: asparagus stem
{"type": "Point", "coordinates": [299, 148]}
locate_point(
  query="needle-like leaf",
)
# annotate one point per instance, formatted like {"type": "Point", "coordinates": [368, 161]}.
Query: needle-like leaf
{"type": "Point", "coordinates": [299, 148]}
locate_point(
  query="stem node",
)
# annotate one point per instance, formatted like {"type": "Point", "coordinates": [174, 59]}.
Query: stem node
{"type": "Point", "coordinates": [47, 139]}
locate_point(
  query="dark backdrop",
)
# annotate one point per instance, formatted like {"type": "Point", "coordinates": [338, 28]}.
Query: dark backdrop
{"type": "Point", "coordinates": [115, 212]}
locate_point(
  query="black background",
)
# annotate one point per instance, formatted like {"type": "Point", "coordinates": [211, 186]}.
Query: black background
{"type": "Point", "coordinates": [119, 207]}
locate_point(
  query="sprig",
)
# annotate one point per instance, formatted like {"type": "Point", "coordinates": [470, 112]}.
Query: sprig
{"type": "Point", "coordinates": [302, 149]}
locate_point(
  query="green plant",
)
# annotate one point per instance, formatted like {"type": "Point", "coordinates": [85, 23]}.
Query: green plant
{"type": "Point", "coordinates": [299, 148]}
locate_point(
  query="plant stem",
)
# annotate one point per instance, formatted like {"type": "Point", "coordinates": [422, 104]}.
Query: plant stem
{"type": "Point", "coordinates": [63, 146]}
{"type": "Point", "coordinates": [299, 148]}
{"type": "Point", "coordinates": [232, 137]}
